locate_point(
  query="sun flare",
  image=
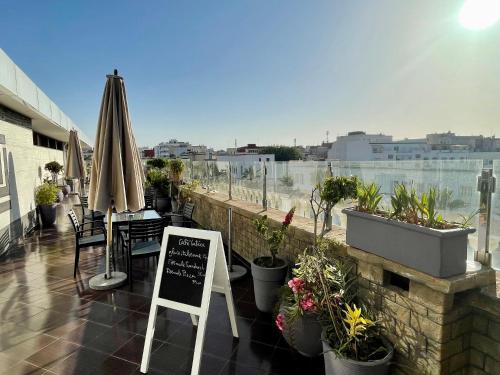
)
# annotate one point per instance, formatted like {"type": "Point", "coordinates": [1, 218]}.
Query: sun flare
{"type": "Point", "coordinates": [479, 14]}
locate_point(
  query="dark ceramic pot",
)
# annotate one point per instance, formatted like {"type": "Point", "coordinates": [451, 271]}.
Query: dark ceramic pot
{"type": "Point", "coordinates": [47, 214]}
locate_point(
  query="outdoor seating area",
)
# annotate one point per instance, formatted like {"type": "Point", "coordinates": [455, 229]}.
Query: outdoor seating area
{"type": "Point", "coordinates": [53, 323]}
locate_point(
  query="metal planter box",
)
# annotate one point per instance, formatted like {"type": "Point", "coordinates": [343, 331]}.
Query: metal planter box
{"type": "Point", "coordinates": [440, 253]}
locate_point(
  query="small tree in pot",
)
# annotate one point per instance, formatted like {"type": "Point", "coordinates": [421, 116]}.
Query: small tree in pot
{"type": "Point", "coordinates": [45, 199]}
{"type": "Point", "coordinates": [54, 168]}
{"type": "Point", "coordinates": [176, 169]}
{"type": "Point", "coordinates": [269, 272]}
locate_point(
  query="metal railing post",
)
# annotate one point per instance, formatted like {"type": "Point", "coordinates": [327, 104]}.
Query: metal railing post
{"type": "Point", "coordinates": [486, 187]}
{"type": "Point", "coordinates": [264, 186]}
{"type": "Point", "coordinates": [328, 215]}
{"type": "Point", "coordinates": [230, 182]}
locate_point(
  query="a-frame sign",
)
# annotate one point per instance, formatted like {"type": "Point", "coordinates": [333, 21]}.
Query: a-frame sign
{"type": "Point", "coordinates": [192, 265]}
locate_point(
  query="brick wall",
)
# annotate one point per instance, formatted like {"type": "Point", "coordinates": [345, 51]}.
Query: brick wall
{"type": "Point", "coordinates": [437, 326]}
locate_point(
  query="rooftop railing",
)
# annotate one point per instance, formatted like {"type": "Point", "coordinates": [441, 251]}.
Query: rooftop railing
{"type": "Point", "coordinates": [466, 189]}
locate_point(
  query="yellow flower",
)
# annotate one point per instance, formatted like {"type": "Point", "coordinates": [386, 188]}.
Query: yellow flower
{"type": "Point", "coordinates": [355, 321]}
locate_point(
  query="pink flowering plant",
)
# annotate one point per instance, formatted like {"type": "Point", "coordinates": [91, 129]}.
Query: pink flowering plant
{"type": "Point", "coordinates": [274, 238]}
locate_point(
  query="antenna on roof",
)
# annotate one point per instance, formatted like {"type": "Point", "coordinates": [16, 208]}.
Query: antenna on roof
{"type": "Point", "coordinates": [116, 72]}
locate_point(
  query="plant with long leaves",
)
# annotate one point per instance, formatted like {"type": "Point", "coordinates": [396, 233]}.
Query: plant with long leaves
{"type": "Point", "coordinates": [369, 197]}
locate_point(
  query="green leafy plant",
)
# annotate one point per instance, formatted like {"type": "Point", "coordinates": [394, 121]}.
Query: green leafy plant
{"type": "Point", "coordinates": [188, 189]}
{"type": "Point", "coordinates": [176, 168]}
{"type": "Point", "coordinates": [325, 195]}
{"type": "Point", "coordinates": [158, 180]}
{"type": "Point", "coordinates": [369, 197]}
{"type": "Point", "coordinates": [158, 163]}
{"type": "Point", "coordinates": [46, 194]}
{"type": "Point", "coordinates": [273, 238]}
{"type": "Point", "coordinates": [54, 167]}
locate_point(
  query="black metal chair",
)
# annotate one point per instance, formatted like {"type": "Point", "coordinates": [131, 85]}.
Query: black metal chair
{"type": "Point", "coordinates": [184, 219]}
{"type": "Point", "coordinates": [142, 240]}
{"type": "Point", "coordinates": [83, 240]}
{"type": "Point", "coordinates": [149, 200]}
{"type": "Point", "coordinates": [89, 215]}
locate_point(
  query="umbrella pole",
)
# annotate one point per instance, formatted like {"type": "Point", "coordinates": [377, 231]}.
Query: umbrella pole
{"type": "Point", "coordinates": [109, 241]}
{"type": "Point", "coordinates": [108, 279]}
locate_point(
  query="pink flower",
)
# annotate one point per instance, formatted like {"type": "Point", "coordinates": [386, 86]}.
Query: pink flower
{"type": "Point", "coordinates": [296, 285]}
{"type": "Point", "coordinates": [280, 322]}
{"type": "Point", "coordinates": [307, 303]}
{"type": "Point", "coordinates": [288, 217]}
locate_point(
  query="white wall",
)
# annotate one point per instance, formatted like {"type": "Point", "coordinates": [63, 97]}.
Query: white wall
{"type": "Point", "coordinates": [26, 169]}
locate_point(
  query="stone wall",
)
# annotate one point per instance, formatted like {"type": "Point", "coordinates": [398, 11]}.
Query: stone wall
{"type": "Point", "coordinates": [437, 326]}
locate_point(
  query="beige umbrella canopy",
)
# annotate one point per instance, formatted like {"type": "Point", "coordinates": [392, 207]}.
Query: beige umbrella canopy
{"type": "Point", "coordinates": [116, 179]}
{"type": "Point", "coordinates": [75, 166]}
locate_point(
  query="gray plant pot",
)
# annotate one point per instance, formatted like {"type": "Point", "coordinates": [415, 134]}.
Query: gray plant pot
{"type": "Point", "coordinates": [66, 189]}
{"type": "Point", "coordinates": [341, 366]}
{"type": "Point", "coordinates": [267, 283]}
{"type": "Point", "coordinates": [47, 214]}
{"type": "Point", "coordinates": [304, 334]}
{"type": "Point", "coordinates": [440, 253]}
{"type": "Point", "coordinates": [60, 196]}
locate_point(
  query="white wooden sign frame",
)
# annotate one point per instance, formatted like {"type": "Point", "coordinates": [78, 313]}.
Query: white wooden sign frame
{"type": "Point", "coordinates": [216, 280]}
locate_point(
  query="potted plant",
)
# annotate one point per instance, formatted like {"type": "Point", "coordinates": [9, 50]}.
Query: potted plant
{"type": "Point", "coordinates": [269, 272]}
{"type": "Point", "coordinates": [300, 311]}
{"type": "Point", "coordinates": [301, 307]}
{"type": "Point", "coordinates": [159, 181]}
{"type": "Point", "coordinates": [352, 341]}
{"type": "Point", "coordinates": [45, 199]}
{"type": "Point", "coordinates": [412, 232]}
{"type": "Point", "coordinates": [54, 168]}
{"type": "Point", "coordinates": [176, 169]}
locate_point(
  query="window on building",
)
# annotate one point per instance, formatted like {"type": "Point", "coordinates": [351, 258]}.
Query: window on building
{"type": "Point", "coordinates": [44, 141]}
{"type": "Point", "coordinates": [390, 156]}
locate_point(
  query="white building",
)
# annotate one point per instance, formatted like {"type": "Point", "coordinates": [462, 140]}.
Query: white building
{"type": "Point", "coordinates": [359, 146]}
{"type": "Point", "coordinates": [33, 131]}
{"type": "Point", "coordinates": [242, 163]}
{"type": "Point", "coordinates": [171, 149]}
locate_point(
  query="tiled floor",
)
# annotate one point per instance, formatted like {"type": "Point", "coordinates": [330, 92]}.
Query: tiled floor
{"type": "Point", "coordinates": [53, 324]}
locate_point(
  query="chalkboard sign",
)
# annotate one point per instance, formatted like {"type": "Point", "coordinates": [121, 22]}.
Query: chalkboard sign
{"type": "Point", "coordinates": [184, 270]}
{"type": "Point", "coordinates": [192, 265]}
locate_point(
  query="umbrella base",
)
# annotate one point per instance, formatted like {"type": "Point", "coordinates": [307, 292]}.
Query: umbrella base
{"type": "Point", "coordinates": [99, 282]}
{"type": "Point", "coordinates": [237, 272]}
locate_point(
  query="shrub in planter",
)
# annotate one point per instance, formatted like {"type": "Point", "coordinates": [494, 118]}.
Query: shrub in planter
{"type": "Point", "coordinates": [54, 168]}
{"type": "Point", "coordinates": [176, 168]}
{"type": "Point", "coordinates": [412, 233]}
{"type": "Point", "coordinates": [45, 199]}
{"type": "Point", "coordinates": [159, 181]}
{"type": "Point", "coordinates": [157, 163]}
{"type": "Point", "coordinates": [269, 272]}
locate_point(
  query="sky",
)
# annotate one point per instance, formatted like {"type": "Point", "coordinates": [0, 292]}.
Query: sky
{"type": "Point", "coordinates": [262, 71]}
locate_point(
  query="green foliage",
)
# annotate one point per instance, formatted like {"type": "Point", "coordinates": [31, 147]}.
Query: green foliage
{"type": "Point", "coordinates": [273, 238]}
{"type": "Point", "coordinates": [54, 167]}
{"type": "Point", "coordinates": [282, 153]}
{"type": "Point", "coordinates": [369, 197]}
{"type": "Point", "coordinates": [46, 194]}
{"type": "Point", "coordinates": [326, 195]}
{"type": "Point", "coordinates": [188, 189]}
{"type": "Point", "coordinates": [159, 163]}
{"type": "Point", "coordinates": [176, 167]}
{"type": "Point", "coordinates": [158, 179]}
{"type": "Point", "coordinates": [422, 210]}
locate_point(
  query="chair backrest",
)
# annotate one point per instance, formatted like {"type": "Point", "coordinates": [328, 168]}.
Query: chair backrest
{"type": "Point", "coordinates": [146, 230]}
{"type": "Point", "coordinates": [149, 201]}
{"type": "Point", "coordinates": [187, 211]}
{"type": "Point", "coordinates": [74, 220]}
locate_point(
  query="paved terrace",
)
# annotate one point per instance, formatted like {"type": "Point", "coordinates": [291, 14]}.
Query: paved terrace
{"type": "Point", "coordinates": [53, 324]}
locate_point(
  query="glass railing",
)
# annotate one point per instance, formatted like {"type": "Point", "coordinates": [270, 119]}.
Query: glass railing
{"type": "Point", "coordinates": [289, 184]}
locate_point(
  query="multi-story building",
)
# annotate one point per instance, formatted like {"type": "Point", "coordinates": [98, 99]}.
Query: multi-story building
{"type": "Point", "coordinates": [33, 132]}
{"type": "Point", "coordinates": [171, 149]}
{"type": "Point", "coordinates": [359, 146]}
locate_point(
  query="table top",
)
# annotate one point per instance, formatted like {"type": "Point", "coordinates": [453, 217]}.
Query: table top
{"type": "Point", "coordinates": [124, 217]}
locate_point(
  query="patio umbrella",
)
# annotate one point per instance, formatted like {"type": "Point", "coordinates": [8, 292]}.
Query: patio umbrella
{"type": "Point", "coordinates": [116, 179]}
{"type": "Point", "coordinates": [75, 166]}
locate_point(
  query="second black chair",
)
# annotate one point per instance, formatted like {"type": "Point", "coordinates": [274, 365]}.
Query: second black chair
{"type": "Point", "coordinates": [142, 240]}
